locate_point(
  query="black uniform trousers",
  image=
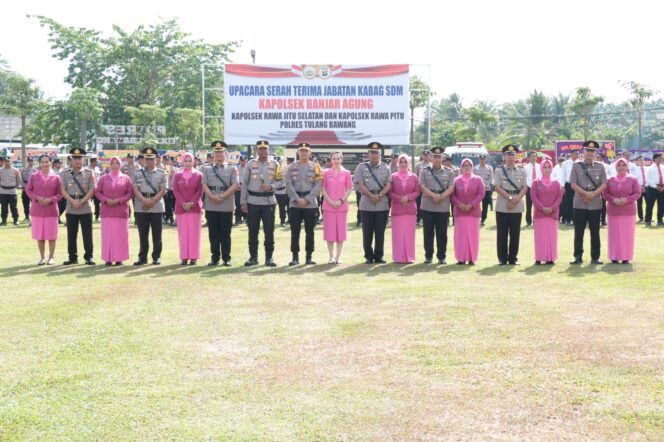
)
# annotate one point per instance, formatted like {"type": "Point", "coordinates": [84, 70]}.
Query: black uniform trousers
{"type": "Point", "coordinates": [282, 202]}
{"type": "Point", "coordinates": [97, 204]}
{"type": "Point", "coordinates": [239, 216]}
{"type": "Point", "coordinates": [255, 215]}
{"type": "Point", "coordinates": [591, 218]}
{"type": "Point", "coordinates": [373, 227]}
{"type": "Point", "coordinates": [25, 199]}
{"type": "Point", "coordinates": [653, 196]}
{"type": "Point", "coordinates": [568, 212]}
{"type": "Point", "coordinates": [639, 206]}
{"type": "Point", "coordinates": [508, 226]}
{"type": "Point", "coordinates": [310, 217]}
{"type": "Point", "coordinates": [8, 203]}
{"type": "Point", "coordinates": [169, 205]}
{"type": "Point", "coordinates": [358, 195]}
{"type": "Point", "coordinates": [146, 222]}
{"type": "Point", "coordinates": [418, 201]}
{"type": "Point", "coordinates": [72, 235]}
{"type": "Point", "coordinates": [529, 208]}
{"type": "Point", "coordinates": [434, 224]}
{"type": "Point", "coordinates": [486, 201]}
{"type": "Point", "coordinates": [219, 232]}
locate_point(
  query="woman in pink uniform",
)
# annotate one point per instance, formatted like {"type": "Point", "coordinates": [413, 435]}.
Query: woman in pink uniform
{"type": "Point", "coordinates": [546, 194]}
{"type": "Point", "coordinates": [621, 194]}
{"type": "Point", "coordinates": [403, 193]}
{"type": "Point", "coordinates": [114, 190]}
{"type": "Point", "coordinates": [337, 185]}
{"type": "Point", "coordinates": [188, 188]}
{"type": "Point", "coordinates": [469, 191]}
{"type": "Point", "coordinates": [44, 190]}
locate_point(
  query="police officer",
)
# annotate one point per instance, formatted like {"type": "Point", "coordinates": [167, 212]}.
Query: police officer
{"type": "Point", "coordinates": [220, 183]}
{"type": "Point", "coordinates": [485, 171]}
{"type": "Point", "coordinates": [239, 216]}
{"type": "Point", "coordinates": [373, 179]}
{"type": "Point", "coordinates": [282, 200]}
{"type": "Point", "coordinates": [261, 178]}
{"type": "Point", "coordinates": [10, 180]}
{"type": "Point", "coordinates": [96, 170]}
{"type": "Point", "coordinates": [149, 191]}
{"type": "Point", "coordinates": [26, 173]}
{"type": "Point", "coordinates": [303, 183]}
{"type": "Point", "coordinates": [511, 187]}
{"type": "Point", "coordinates": [436, 182]}
{"type": "Point", "coordinates": [588, 180]}
{"type": "Point", "coordinates": [426, 162]}
{"type": "Point", "coordinates": [78, 188]}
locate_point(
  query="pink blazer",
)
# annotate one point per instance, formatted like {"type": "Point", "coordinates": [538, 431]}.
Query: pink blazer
{"type": "Point", "coordinates": [629, 189]}
{"type": "Point", "coordinates": [409, 187]}
{"type": "Point", "coordinates": [45, 188]}
{"type": "Point", "coordinates": [471, 193]}
{"type": "Point", "coordinates": [122, 192]}
{"type": "Point", "coordinates": [188, 191]}
{"type": "Point", "coordinates": [336, 187]}
{"type": "Point", "coordinates": [546, 196]}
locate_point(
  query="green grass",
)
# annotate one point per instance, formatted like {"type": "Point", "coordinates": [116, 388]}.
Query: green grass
{"type": "Point", "coordinates": [350, 352]}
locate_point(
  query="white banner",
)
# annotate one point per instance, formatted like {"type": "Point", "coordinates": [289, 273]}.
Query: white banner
{"type": "Point", "coordinates": [317, 104]}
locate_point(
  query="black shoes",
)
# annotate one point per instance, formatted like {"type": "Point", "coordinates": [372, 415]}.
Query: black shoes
{"type": "Point", "coordinates": [596, 262]}
{"type": "Point", "coordinates": [576, 261]}
{"type": "Point", "coordinates": [251, 262]}
{"type": "Point", "coordinates": [514, 262]}
{"type": "Point", "coordinates": [368, 261]}
{"type": "Point", "coordinates": [141, 262]}
{"type": "Point", "coordinates": [70, 262]}
{"type": "Point", "coordinates": [379, 261]}
{"type": "Point", "coordinates": [310, 262]}
{"type": "Point", "coordinates": [427, 261]}
{"type": "Point", "coordinates": [269, 262]}
{"type": "Point", "coordinates": [156, 262]}
{"type": "Point", "coordinates": [89, 262]}
{"type": "Point", "coordinates": [538, 263]}
{"type": "Point", "coordinates": [442, 262]}
{"type": "Point", "coordinates": [295, 261]}
{"type": "Point", "coordinates": [213, 263]}
{"type": "Point", "coordinates": [227, 263]}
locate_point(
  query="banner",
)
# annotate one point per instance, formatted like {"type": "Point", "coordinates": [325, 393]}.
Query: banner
{"type": "Point", "coordinates": [606, 148]}
{"type": "Point", "coordinates": [318, 104]}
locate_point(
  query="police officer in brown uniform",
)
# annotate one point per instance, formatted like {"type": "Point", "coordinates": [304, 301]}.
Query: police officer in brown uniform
{"type": "Point", "coordinates": [303, 184]}
{"type": "Point", "coordinates": [10, 180]}
{"type": "Point", "coordinates": [485, 171]}
{"type": "Point", "coordinates": [220, 183]}
{"type": "Point", "coordinates": [373, 179]}
{"type": "Point", "coordinates": [78, 188]}
{"type": "Point", "coordinates": [511, 187]}
{"type": "Point", "coordinates": [261, 178]}
{"type": "Point", "coordinates": [149, 191]}
{"type": "Point", "coordinates": [588, 180]}
{"type": "Point", "coordinates": [26, 173]}
{"type": "Point", "coordinates": [436, 182]}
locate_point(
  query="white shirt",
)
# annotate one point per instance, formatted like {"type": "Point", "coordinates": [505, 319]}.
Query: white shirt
{"type": "Point", "coordinates": [557, 173]}
{"type": "Point", "coordinates": [640, 171]}
{"type": "Point", "coordinates": [632, 169]}
{"type": "Point", "coordinates": [567, 169]}
{"type": "Point", "coordinates": [529, 173]}
{"type": "Point", "coordinates": [652, 175]}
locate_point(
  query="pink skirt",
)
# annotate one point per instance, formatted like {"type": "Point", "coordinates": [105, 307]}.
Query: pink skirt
{"type": "Point", "coordinates": [403, 238]}
{"type": "Point", "coordinates": [466, 238]}
{"type": "Point", "coordinates": [44, 228]}
{"type": "Point", "coordinates": [546, 239]}
{"type": "Point", "coordinates": [189, 235]}
{"type": "Point", "coordinates": [334, 226]}
{"type": "Point", "coordinates": [621, 237]}
{"type": "Point", "coordinates": [114, 239]}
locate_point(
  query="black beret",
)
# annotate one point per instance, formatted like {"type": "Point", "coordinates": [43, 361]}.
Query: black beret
{"type": "Point", "coordinates": [591, 145]}
{"type": "Point", "coordinates": [510, 149]}
{"type": "Point", "coordinates": [374, 145]}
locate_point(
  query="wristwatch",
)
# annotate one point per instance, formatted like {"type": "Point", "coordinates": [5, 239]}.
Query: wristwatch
{"type": "Point", "coordinates": [511, 197]}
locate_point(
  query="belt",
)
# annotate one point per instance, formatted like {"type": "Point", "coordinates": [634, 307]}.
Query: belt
{"type": "Point", "coordinates": [302, 194]}
{"type": "Point", "coordinates": [77, 197]}
{"type": "Point", "coordinates": [281, 188]}
{"type": "Point", "coordinates": [375, 192]}
{"type": "Point", "coordinates": [218, 188]}
{"type": "Point", "coordinates": [148, 195]}
{"type": "Point", "coordinates": [260, 193]}
{"type": "Point", "coordinates": [513, 192]}
{"type": "Point", "coordinates": [9, 188]}
{"type": "Point", "coordinates": [437, 192]}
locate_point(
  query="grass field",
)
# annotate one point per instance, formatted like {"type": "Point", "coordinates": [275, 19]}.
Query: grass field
{"type": "Point", "coordinates": [347, 352]}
